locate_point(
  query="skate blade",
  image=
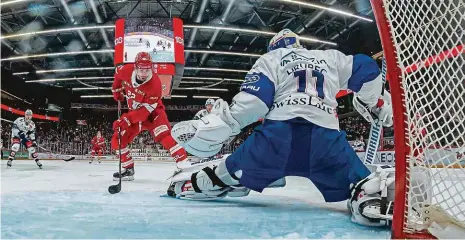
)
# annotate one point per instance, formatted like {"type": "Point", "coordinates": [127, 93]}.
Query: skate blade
{"type": "Point", "coordinates": [124, 179]}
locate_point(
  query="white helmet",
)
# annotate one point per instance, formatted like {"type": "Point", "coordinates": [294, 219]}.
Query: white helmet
{"type": "Point", "coordinates": [210, 101]}
{"type": "Point", "coordinates": [284, 39]}
{"type": "Point", "coordinates": [28, 114]}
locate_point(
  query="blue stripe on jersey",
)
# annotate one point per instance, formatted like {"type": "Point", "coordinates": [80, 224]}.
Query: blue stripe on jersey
{"type": "Point", "coordinates": [259, 85]}
{"type": "Point", "coordinates": [364, 69]}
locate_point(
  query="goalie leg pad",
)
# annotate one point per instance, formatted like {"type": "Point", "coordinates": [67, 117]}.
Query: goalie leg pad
{"type": "Point", "coordinates": [371, 198]}
{"type": "Point", "coordinates": [210, 182]}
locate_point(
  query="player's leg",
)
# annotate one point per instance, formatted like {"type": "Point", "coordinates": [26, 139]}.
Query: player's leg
{"type": "Point", "coordinates": [127, 163]}
{"type": "Point", "coordinates": [14, 149]}
{"type": "Point", "coordinates": [32, 149]}
{"type": "Point", "coordinates": [339, 174]}
{"type": "Point", "coordinates": [160, 129]}
{"type": "Point", "coordinates": [100, 151]}
{"type": "Point", "coordinates": [92, 155]}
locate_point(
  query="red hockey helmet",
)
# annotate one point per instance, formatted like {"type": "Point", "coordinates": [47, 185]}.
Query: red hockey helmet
{"type": "Point", "coordinates": [143, 60]}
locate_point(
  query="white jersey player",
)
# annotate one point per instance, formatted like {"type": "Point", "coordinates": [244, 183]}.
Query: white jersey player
{"type": "Point", "coordinates": [359, 144]}
{"type": "Point", "coordinates": [24, 132]}
{"type": "Point", "coordinates": [294, 89]}
{"type": "Point", "coordinates": [204, 112]}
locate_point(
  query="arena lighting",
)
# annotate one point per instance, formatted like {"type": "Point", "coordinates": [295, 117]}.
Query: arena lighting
{"type": "Point", "coordinates": [340, 12]}
{"type": "Point", "coordinates": [253, 31]}
{"type": "Point", "coordinates": [205, 89]}
{"type": "Point", "coordinates": [96, 96]}
{"type": "Point", "coordinates": [216, 69]}
{"type": "Point", "coordinates": [66, 70]}
{"type": "Point", "coordinates": [14, 96]}
{"type": "Point", "coordinates": [67, 79]}
{"type": "Point", "coordinates": [28, 34]}
{"type": "Point", "coordinates": [91, 88]}
{"type": "Point", "coordinates": [205, 97]}
{"type": "Point", "coordinates": [225, 53]}
{"type": "Point", "coordinates": [12, 2]}
{"type": "Point", "coordinates": [214, 79]}
{"type": "Point", "coordinates": [57, 54]}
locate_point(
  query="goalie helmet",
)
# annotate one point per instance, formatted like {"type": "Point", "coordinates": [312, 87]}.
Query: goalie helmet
{"type": "Point", "coordinates": [143, 60]}
{"type": "Point", "coordinates": [210, 101]}
{"type": "Point", "coordinates": [284, 39]}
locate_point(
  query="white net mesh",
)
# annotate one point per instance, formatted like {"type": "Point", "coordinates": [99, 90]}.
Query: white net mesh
{"type": "Point", "coordinates": [428, 39]}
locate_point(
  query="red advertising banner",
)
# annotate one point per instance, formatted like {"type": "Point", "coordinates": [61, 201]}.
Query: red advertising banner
{"type": "Point", "coordinates": [178, 31]}
{"type": "Point", "coordinates": [20, 112]}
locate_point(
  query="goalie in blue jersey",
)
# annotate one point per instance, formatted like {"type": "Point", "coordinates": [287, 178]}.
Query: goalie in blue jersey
{"type": "Point", "coordinates": [294, 90]}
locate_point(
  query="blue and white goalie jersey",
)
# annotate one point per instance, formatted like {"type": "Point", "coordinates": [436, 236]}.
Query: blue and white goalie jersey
{"type": "Point", "coordinates": [289, 83]}
{"type": "Point", "coordinates": [20, 126]}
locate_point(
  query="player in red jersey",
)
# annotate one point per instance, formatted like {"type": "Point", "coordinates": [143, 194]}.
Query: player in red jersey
{"type": "Point", "coordinates": [142, 88]}
{"type": "Point", "coordinates": [98, 145]}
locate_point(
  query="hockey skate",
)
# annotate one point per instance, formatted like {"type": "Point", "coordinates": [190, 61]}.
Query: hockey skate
{"type": "Point", "coordinates": [8, 164]}
{"type": "Point", "coordinates": [127, 174]}
{"type": "Point", "coordinates": [38, 163]}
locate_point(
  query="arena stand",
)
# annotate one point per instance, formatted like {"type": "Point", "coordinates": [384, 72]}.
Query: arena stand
{"type": "Point", "coordinates": [72, 135]}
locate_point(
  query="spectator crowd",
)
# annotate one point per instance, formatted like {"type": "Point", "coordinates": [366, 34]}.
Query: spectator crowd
{"type": "Point", "coordinates": [74, 136]}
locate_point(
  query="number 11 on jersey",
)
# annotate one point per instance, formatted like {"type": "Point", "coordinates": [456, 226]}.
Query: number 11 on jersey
{"type": "Point", "coordinates": [303, 81]}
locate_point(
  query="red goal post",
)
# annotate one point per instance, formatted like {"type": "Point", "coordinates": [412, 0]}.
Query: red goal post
{"type": "Point", "coordinates": [424, 51]}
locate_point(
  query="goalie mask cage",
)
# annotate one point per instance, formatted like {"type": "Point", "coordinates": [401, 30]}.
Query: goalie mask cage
{"type": "Point", "coordinates": [423, 44]}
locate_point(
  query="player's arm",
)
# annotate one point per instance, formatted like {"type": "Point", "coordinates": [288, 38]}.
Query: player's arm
{"type": "Point", "coordinates": [18, 130]}
{"type": "Point", "coordinates": [31, 134]}
{"type": "Point", "coordinates": [255, 97]}
{"type": "Point", "coordinates": [361, 74]}
{"type": "Point", "coordinates": [198, 115]}
{"type": "Point", "coordinates": [148, 105]}
{"type": "Point", "coordinates": [117, 86]}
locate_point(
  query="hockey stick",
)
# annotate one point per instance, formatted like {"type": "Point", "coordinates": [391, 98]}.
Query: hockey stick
{"type": "Point", "coordinates": [376, 128]}
{"type": "Point", "coordinates": [64, 159]}
{"type": "Point", "coordinates": [374, 139]}
{"type": "Point", "coordinates": [117, 188]}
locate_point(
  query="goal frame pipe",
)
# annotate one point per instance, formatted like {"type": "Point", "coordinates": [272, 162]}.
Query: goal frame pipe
{"type": "Point", "coordinates": [401, 146]}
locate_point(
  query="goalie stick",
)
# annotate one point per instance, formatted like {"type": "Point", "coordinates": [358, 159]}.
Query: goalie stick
{"type": "Point", "coordinates": [376, 128]}
{"type": "Point", "coordinates": [374, 139]}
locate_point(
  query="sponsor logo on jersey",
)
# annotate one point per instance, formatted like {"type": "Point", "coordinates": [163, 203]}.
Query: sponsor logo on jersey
{"type": "Point", "coordinates": [301, 101]}
{"type": "Point", "coordinates": [251, 78]}
{"type": "Point", "coordinates": [292, 56]}
{"type": "Point", "coordinates": [253, 88]}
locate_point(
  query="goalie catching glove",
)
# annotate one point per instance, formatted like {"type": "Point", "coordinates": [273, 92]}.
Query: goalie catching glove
{"type": "Point", "coordinates": [205, 137]}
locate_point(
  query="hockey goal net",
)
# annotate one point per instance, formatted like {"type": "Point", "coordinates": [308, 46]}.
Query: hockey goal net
{"type": "Point", "coordinates": [423, 44]}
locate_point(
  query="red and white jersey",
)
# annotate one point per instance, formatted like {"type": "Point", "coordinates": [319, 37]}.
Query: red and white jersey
{"type": "Point", "coordinates": [146, 95]}
{"type": "Point", "coordinates": [98, 141]}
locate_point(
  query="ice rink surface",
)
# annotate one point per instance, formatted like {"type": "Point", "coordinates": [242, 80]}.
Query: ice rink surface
{"type": "Point", "coordinates": [70, 200]}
